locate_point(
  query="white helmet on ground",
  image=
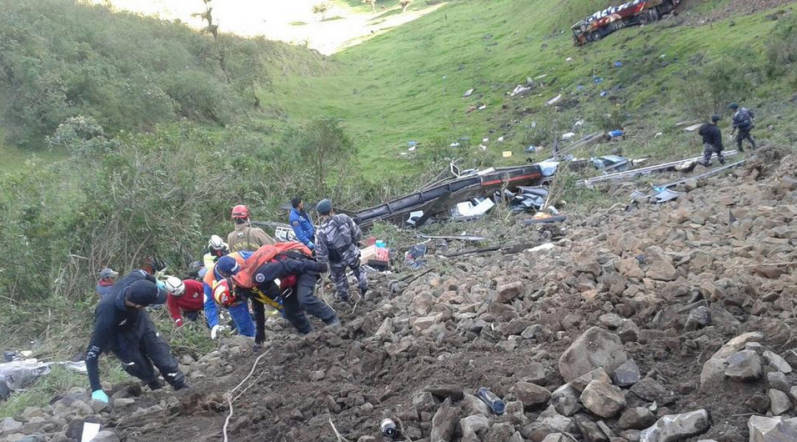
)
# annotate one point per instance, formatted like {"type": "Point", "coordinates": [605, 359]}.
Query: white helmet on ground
{"type": "Point", "coordinates": [174, 286]}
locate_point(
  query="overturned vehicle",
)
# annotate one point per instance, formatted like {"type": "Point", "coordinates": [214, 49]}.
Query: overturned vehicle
{"type": "Point", "coordinates": [633, 13]}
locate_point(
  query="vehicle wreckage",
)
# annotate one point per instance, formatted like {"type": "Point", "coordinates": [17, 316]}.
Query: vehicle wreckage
{"type": "Point", "coordinates": [633, 13]}
{"type": "Point", "coordinates": [440, 197]}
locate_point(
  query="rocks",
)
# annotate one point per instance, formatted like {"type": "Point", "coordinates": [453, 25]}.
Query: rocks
{"type": "Point", "coordinates": [779, 402]}
{"type": "Point", "coordinates": [636, 418]}
{"type": "Point", "coordinates": [589, 429]}
{"type": "Point", "coordinates": [9, 425]}
{"type": "Point", "coordinates": [472, 427]}
{"type": "Point", "coordinates": [507, 292]}
{"type": "Point", "coordinates": [595, 348]}
{"type": "Point", "coordinates": [744, 366]}
{"type": "Point", "coordinates": [602, 399]}
{"type": "Point", "coordinates": [444, 422]}
{"type": "Point", "coordinates": [565, 400]}
{"type": "Point", "coordinates": [772, 429]}
{"type": "Point", "coordinates": [532, 395]}
{"type": "Point", "coordinates": [777, 362]}
{"type": "Point", "coordinates": [123, 402]}
{"type": "Point", "coordinates": [106, 436]}
{"type": "Point", "coordinates": [713, 373]}
{"type": "Point", "coordinates": [676, 427]}
{"type": "Point", "coordinates": [651, 390]}
{"type": "Point", "coordinates": [627, 374]}
{"type": "Point", "coordinates": [778, 381]}
{"type": "Point", "coordinates": [698, 318]}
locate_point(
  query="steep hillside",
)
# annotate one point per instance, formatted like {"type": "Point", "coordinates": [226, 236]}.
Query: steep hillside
{"type": "Point", "coordinates": [409, 84]}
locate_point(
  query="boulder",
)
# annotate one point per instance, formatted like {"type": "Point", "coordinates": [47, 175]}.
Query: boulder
{"type": "Point", "coordinates": [532, 395]}
{"type": "Point", "coordinates": [778, 362]}
{"type": "Point", "coordinates": [595, 348]}
{"type": "Point", "coordinates": [500, 432]}
{"type": "Point", "coordinates": [444, 422]}
{"type": "Point", "coordinates": [473, 405]}
{"type": "Point", "coordinates": [555, 421]}
{"type": "Point", "coordinates": [772, 429]}
{"type": "Point", "coordinates": [713, 372]}
{"type": "Point", "coordinates": [565, 400]}
{"type": "Point", "coordinates": [598, 374]}
{"type": "Point", "coordinates": [589, 429]}
{"type": "Point", "coordinates": [779, 402]}
{"type": "Point", "coordinates": [9, 425]}
{"type": "Point", "coordinates": [508, 292]}
{"type": "Point", "coordinates": [472, 426]}
{"type": "Point", "coordinates": [627, 374]}
{"type": "Point", "coordinates": [677, 427]}
{"type": "Point", "coordinates": [778, 381]}
{"type": "Point", "coordinates": [743, 366]}
{"type": "Point", "coordinates": [602, 399]}
{"type": "Point", "coordinates": [636, 418]}
{"type": "Point", "coordinates": [651, 390]}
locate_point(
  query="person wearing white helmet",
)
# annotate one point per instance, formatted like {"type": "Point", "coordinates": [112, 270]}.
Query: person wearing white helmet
{"type": "Point", "coordinates": [184, 298]}
{"type": "Point", "coordinates": [216, 249]}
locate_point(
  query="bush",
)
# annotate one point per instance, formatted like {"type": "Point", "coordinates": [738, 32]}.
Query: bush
{"type": "Point", "coordinates": [781, 49]}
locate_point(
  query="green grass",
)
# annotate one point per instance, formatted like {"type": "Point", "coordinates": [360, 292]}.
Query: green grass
{"type": "Point", "coordinates": [408, 84]}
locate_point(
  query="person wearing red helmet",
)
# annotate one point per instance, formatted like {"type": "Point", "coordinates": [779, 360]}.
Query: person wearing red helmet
{"type": "Point", "coordinates": [246, 237]}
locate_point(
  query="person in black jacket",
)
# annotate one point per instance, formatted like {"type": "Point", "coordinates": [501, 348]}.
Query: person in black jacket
{"type": "Point", "coordinates": [122, 326]}
{"type": "Point", "coordinates": [712, 141]}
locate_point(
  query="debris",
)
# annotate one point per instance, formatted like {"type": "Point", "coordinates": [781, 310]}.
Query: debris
{"type": "Point", "coordinates": [546, 219]}
{"type": "Point", "coordinates": [456, 237]}
{"type": "Point", "coordinates": [618, 64]}
{"type": "Point", "coordinates": [519, 90]}
{"type": "Point", "coordinates": [554, 100]}
{"type": "Point", "coordinates": [569, 59]}
{"type": "Point", "coordinates": [693, 127]}
{"type": "Point", "coordinates": [663, 195]}
{"type": "Point", "coordinates": [376, 257]}
{"type": "Point", "coordinates": [617, 133]}
{"type": "Point", "coordinates": [413, 258]}
{"type": "Point", "coordinates": [632, 13]}
{"type": "Point", "coordinates": [414, 217]}
{"type": "Point", "coordinates": [531, 149]}
{"type": "Point", "coordinates": [610, 162]}
{"type": "Point", "coordinates": [671, 165]}
{"type": "Point", "coordinates": [388, 429]}
{"type": "Point", "coordinates": [468, 93]}
{"type": "Point", "coordinates": [492, 400]}
{"type": "Point", "coordinates": [506, 153]}
{"type": "Point", "coordinates": [471, 209]}
{"type": "Point", "coordinates": [568, 136]}
{"type": "Point", "coordinates": [90, 430]}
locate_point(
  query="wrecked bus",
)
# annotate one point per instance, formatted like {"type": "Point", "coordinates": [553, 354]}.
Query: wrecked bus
{"type": "Point", "coordinates": [633, 13]}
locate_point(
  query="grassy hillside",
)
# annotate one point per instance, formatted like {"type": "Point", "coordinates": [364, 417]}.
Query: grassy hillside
{"type": "Point", "coordinates": [158, 130]}
{"type": "Point", "coordinates": [408, 84]}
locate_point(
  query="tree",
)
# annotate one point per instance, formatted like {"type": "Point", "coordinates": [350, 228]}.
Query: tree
{"type": "Point", "coordinates": [321, 9]}
{"type": "Point", "coordinates": [404, 5]}
{"type": "Point", "coordinates": [325, 144]}
{"type": "Point", "coordinates": [372, 3]}
{"type": "Point", "coordinates": [212, 28]}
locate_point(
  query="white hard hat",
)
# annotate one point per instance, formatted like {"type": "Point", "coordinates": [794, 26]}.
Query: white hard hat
{"type": "Point", "coordinates": [175, 286]}
{"type": "Point", "coordinates": [216, 243]}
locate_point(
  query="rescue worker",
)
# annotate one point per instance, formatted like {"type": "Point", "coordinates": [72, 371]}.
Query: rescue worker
{"type": "Point", "coordinates": [246, 237]}
{"type": "Point", "coordinates": [239, 310]}
{"type": "Point", "coordinates": [216, 249]}
{"type": "Point", "coordinates": [301, 223]}
{"type": "Point", "coordinates": [712, 141]}
{"type": "Point", "coordinates": [105, 284]}
{"type": "Point", "coordinates": [122, 325]}
{"type": "Point", "coordinates": [184, 297]}
{"type": "Point", "coordinates": [336, 244]}
{"type": "Point", "coordinates": [743, 121]}
{"type": "Point", "coordinates": [292, 264]}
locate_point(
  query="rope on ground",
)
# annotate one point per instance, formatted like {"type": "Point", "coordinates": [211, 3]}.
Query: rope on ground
{"type": "Point", "coordinates": [340, 438]}
{"type": "Point", "coordinates": [229, 394]}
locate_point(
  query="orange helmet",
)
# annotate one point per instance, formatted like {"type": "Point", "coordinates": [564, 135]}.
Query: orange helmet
{"type": "Point", "coordinates": [222, 293]}
{"type": "Point", "coordinates": [240, 212]}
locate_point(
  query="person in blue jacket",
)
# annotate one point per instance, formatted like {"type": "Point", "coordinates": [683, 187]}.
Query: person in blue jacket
{"type": "Point", "coordinates": [122, 326]}
{"type": "Point", "coordinates": [239, 310]}
{"type": "Point", "coordinates": [302, 224]}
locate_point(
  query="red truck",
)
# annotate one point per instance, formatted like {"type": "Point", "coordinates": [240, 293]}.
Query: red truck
{"type": "Point", "coordinates": [633, 13]}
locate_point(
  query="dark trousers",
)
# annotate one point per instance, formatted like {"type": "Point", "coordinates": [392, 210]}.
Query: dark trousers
{"type": "Point", "coordinates": [140, 347]}
{"type": "Point", "coordinates": [708, 150]}
{"type": "Point", "coordinates": [744, 134]}
{"type": "Point", "coordinates": [294, 302]}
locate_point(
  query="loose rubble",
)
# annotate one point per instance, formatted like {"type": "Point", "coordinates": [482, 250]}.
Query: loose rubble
{"type": "Point", "coordinates": [647, 323]}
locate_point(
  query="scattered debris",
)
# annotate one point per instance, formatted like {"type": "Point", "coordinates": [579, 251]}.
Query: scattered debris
{"type": "Point", "coordinates": [414, 256]}
{"type": "Point", "coordinates": [554, 100]}
{"type": "Point", "coordinates": [471, 209]}
{"type": "Point", "coordinates": [468, 93]}
{"type": "Point", "coordinates": [670, 165]}
{"type": "Point", "coordinates": [631, 13]}
{"type": "Point", "coordinates": [519, 90]}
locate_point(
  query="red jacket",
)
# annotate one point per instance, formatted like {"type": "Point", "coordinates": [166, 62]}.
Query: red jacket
{"type": "Point", "coordinates": [192, 300]}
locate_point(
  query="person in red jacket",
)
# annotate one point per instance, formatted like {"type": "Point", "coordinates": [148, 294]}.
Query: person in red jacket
{"type": "Point", "coordinates": [184, 297]}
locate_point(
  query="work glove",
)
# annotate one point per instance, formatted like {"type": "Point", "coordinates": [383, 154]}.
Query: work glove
{"type": "Point", "coordinates": [214, 332]}
{"type": "Point", "coordinates": [310, 245]}
{"type": "Point", "coordinates": [100, 396]}
{"type": "Point", "coordinates": [161, 286]}
{"type": "Point", "coordinates": [320, 267]}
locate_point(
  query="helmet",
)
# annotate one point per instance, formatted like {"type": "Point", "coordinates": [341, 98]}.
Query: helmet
{"type": "Point", "coordinates": [240, 212]}
{"type": "Point", "coordinates": [222, 293]}
{"type": "Point", "coordinates": [216, 244]}
{"type": "Point", "coordinates": [734, 106]}
{"type": "Point", "coordinates": [174, 286]}
{"type": "Point", "coordinates": [715, 118]}
{"type": "Point", "coordinates": [227, 266]}
{"type": "Point", "coordinates": [324, 207]}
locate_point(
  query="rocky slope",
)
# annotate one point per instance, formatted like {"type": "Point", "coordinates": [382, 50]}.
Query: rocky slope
{"type": "Point", "coordinates": [647, 322]}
